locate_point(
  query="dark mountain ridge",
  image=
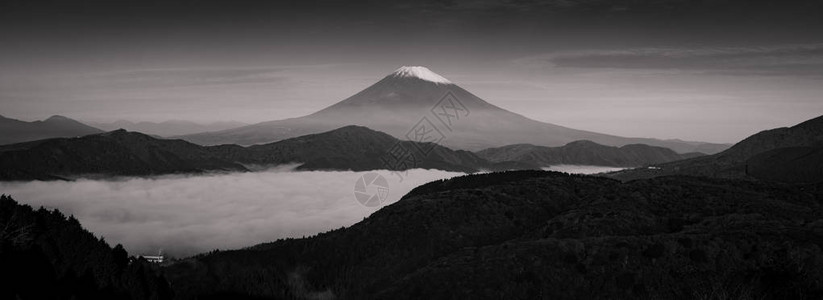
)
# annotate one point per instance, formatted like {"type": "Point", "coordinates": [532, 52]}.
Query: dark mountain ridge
{"type": "Point", "coordinates": [123, 153]}
{"type": "Point", "coordinates": [789, 154]}
{"type": "Point", "coordinates": [107, 154]}
{"type": "Point", "coordinates": [16, 131]}
{"type": "Point", "coordinates": [584, 153]}
{"type": "Point", "coordinates": [168, 128]}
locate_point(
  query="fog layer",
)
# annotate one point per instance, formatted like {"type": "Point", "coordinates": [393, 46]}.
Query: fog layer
{"type": "Point", "coordinates": [582, 169]}
{"type": "Point", "coordinates": [189, 215]}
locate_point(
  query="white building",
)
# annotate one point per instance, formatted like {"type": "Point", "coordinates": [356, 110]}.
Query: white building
{"type": "Point", "coordinates": [154, 258]}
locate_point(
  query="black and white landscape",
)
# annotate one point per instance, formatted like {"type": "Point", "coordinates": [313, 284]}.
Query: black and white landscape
{"type": "Point", "coordinates": [411, 149]}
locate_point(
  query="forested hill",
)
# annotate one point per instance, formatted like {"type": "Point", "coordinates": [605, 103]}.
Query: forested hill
{"type": "Point", "coordinates": [789, 155]}
{"type": "Point", "coordinates": [545, 235]}
{"type": "Point", "coordinates": [44, 255]}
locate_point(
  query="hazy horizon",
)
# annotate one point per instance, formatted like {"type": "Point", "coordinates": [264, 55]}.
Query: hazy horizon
{"type": "Point", "coordinates": [714, 71]}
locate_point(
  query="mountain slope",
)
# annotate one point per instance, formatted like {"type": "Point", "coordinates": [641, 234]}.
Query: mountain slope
{"type": "Point", "coordinates": [584, 153]}
{"type": "Point", "coordinates": [135, 154]}
{"type": "Point", "coordinates": [522, 235]}
{"type": "Point", "coordinates": [790, 154]}
{"type": "Point", "coordinates": [16, 131]}
{"type": "Point", "coordinates": [397, 103]}
{"type": "Point", "coordinates": [356, 148]}
{"type": "Point", "coordinates": [789, 164]}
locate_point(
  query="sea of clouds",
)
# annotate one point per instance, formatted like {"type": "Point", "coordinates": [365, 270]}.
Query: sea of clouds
{"type": "Point", "coordinates": [582, 169]}
{"type": "Point", "coordinates": [186, 215]}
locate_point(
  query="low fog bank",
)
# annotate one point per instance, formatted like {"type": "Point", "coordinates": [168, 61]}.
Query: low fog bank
{"type": "Point", "coordinates": [580, 169]}
{"type": "Point", "coordinates": [188, 215]}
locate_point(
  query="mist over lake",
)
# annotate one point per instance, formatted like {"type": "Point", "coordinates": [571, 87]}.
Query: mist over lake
{"type": "Point", "coordinates": [186, 215]}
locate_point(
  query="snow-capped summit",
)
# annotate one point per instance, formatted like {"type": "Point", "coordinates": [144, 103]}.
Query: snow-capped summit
{"type": "Point", "coordinates": [415, 103]}
{"type": "Point", "coordinates": [421, 73]}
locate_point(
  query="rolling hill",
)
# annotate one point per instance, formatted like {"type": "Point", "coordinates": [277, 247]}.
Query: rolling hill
{"type": "Point", "coordinates": [107, 154]}
{"type": "Point", "coordinates": [584, 153]}
{"type": "Point", "coordinates": [789, 154]}
{"type": "Point", "coordinates": [16, 131]}
{"type": "Point", "coordinates": [543, 235]}
{"type": "Point", "coordinates": [123, 153]}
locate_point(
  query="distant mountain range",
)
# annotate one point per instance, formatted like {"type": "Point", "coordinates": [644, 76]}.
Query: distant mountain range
{"type": "Point", "coordinates": [584, 153]}
{"type": "Point", "coordinates": [414, 100]}
{"type": "Point", "coordinates": [793, 154]}
{"type": "Point", "coordinates": [16, 131]}
{"type": "Point", "coordinates": [167, 128]}
{"type": "Point", "coordinates": [784, 154]}
{"type": "Point", "coordinates": [543, 235]}
{"type": "Point", "coordinates": [123, 153]}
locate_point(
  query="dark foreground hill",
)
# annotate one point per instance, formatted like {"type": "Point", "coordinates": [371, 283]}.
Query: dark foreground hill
{"type": "Point", "coordinates": [585, 153]}
{"type": "Point", "coordinates": [544, 235]}
{"type": "Point", "coordinates": [791, 155]}
{"type": "Point", "coordinates": [44, 255]}
{"type": "Point", "coordinates": [16, 131]}
{"type": "Point", "coordinates": [122, 153]}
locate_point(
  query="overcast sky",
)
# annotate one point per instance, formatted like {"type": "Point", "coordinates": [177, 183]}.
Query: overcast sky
{"type": "Point", "coordinates": [716, 70]}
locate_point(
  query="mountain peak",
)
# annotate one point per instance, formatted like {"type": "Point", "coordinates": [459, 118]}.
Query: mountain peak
{"type": "Point", "coordinates": [117, 132]}
{"type": "Point", "coordinates": [58, 118]}
{"type": "Point", "coordinates": [420, 73]}
{"type": "Point", "coordinates": [584, 143]}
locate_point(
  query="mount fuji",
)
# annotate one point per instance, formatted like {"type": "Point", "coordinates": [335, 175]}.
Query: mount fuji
{"type": "Point", "coordinates": [414, 99]}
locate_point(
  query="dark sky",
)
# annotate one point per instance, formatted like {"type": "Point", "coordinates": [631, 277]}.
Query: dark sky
{"type": "Point", "coordinates": [714, 70]}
